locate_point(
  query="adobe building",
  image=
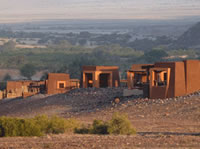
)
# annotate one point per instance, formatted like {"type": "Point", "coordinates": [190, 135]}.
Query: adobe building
{"type": "Point", "coordinates": [100, 76]}
{"type": "Point", "coordinates": [55, 84]}
{"type": "Point", "coordinates": [172, 79]}
{"type": "Point", "coordinates": [58, 83]}
{"type": "Point", "coordinates": [166, 79]}
{"type": "Point", "coordinates": [137, 76]}
{"type": "Point", "coordinates": [23, 88]}
{"type": "Point", "coordinates": [74, 83]}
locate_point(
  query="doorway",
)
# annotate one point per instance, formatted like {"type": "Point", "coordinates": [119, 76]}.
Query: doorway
{"type": "Point", "coordinates": [104, 80]}
{"type": "Point", "coordinates": [89, 79]}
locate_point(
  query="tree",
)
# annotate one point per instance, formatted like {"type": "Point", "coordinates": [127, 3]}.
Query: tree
{"type": "Point", "coordinates": [28, 70]}
{"type": "Point", "coordinates": [82, 42]}
{"type": "Point", "coordinates": [154, 55]}
{"type": "Point", "coordinates": [63, 44]}
{"type": "Point", "coordinates": [7, 77]}
{"type": "Point", "coordinates": [76, 66]}
{"type": "Point", "coordinates": [10, 45]}
{"type": "Point", "coordinates": [44, 76]}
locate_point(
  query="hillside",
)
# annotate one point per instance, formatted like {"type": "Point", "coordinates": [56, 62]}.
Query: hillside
{"type": "Point", "coordinates": [190, 39]}
{"type": "Point", "coordinates": [173, 122]}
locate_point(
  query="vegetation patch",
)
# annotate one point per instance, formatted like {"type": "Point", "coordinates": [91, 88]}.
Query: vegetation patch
{"type": "Point", "coordinates": [42, 124]}
{"type": "Point", "coordinates": [37, 126]}
{"type": "Point", "coordinates": [119, 124]}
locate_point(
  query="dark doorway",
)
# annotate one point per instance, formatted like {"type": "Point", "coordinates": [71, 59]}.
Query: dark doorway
{"type": "Point", "coordinates": [104, 80]}
{"type": "Point", "coordinates": [138, 82]}
{"type": "Point", "coordinates": [89, 79]}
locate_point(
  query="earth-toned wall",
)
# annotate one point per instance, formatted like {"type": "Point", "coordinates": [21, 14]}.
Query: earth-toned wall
{"type": "Point", "coordinates": [192, 74]}
{"type": "Point", "coordinates": [184, 78]}
{"type": "Point", "coordinates": [96, 71]}
{"type": "Point", "coordinates": [54, 79]}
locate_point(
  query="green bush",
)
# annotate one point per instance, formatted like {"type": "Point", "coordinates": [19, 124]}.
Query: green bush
{"type": "Point", "coordinates": [99, 127]}
{"type": "Point", "coordinates": [37, 126]}
{"type": "Point", "coordinates": [82, 130]}
{"type": "Point", "coordinates": [28, 127]}
{"type": "Point", "coordinates": [71, 124]}
{"type": "Point", "coordinates": [18, 127]}
{"type": "Point", "coordinates": [56, 125]}
{"type": "Point", "coordinates": [41, 125]}
{"type": "Point", "coordinates": [43, 122]}
{"type": "Point", "coordinates": [8, 126]}
{"type": "Point", "coordinates": [60, 125]}
{"type": "Point", "coordinates": [120, 124]}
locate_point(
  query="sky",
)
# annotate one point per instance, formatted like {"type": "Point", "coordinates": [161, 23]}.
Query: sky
{"type": "Point", "coordinates": [30, 10]}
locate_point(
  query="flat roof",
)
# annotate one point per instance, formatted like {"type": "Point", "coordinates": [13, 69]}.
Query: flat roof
{"type": "Point", "coordinates": [100, 68]}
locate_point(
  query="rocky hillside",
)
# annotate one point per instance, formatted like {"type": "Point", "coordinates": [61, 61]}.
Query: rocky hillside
{"type": "Point", "coordinates": [190, 39]}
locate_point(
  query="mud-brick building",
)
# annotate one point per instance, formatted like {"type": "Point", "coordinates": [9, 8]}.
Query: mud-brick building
{"type": "Point", "coordinates": [74, 83]}
{"type": "Point", "coordinates": [58, 83]}
{"type": "Point", "coordinates": [23, 88]}
{"type": "Point", "coordinates": [137, 76]}
{"type": "Point", "coordinates": [55, 84]}
{"type": "Point", "coordinates": [100, 76]}
{"type": "Point", "coordinates": [166, 79]}
{"type": "Point", "coordinates": [171, 79]}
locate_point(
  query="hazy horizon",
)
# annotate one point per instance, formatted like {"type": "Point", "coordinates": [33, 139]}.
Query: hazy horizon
{"type": "Point", "coordinates": [31, 10]}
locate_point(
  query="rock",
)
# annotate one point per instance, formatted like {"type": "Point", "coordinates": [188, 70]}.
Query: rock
{"type": "Point", "coordinates": [117, 100]}
{"type": "Point", "coordinates": [142, 116]}
{"type": "Point", "coordinates": [166, 114]}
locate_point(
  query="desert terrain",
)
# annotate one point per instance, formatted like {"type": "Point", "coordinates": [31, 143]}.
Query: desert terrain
{"type": "Point", "coordinates": [160, 123]}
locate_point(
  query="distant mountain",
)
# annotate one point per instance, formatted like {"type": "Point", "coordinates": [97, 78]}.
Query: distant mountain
{"type": "Point", "coordinates": [189, 39]}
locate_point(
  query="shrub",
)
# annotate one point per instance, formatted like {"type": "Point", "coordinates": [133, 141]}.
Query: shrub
{"type": "Point", "coordinates": [36, 126]}
{"type": "Point", "coordinates": [40, 125]}
{"type": "Point", "coordinates": [8, 127]}
{"type": "Point", "coordinates": [43, 121]}
{"type": "Point", "coordinates": [120, 124]}
{"type": "Point", "coordinates": [56, 125]}
{"type": "Point", "coordinates": [71, 124]}
{"type": "Point", "coordinates": [18, 127]}
{"type": "Point", "coordinates": [99, 127]}
{"type": "Point", "coordinates": [29, 127]}
{"type": "Point", "coordinates": [82, 130]}
{"type": "Point", "coordinates": [60, 125]}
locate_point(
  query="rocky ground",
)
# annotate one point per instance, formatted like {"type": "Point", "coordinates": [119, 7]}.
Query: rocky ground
{"type": "Point", "coordinates": [101, 142]}
{"type": "Point", "coordinates": [73, 102]}
{"type": "Point", "coordinates": [160, 123]}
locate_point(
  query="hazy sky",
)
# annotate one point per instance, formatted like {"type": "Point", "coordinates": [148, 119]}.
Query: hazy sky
{"type": "Point", "coordinates": [27, 10]}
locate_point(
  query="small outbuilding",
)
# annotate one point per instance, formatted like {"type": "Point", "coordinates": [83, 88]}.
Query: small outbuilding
{"type": "Point", "coordinates": [58, 83]}
{"type": "Point", "coordinates": [100, 76]}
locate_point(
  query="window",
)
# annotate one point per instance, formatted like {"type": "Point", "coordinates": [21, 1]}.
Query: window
{"type": "Point", "coordinates": [165, 78]}
{"type": "Point", "coordinates": [61, 84]}
{"type": "Point", "coordinates": [139, 79]}
{"type": "Point", "coordinates": [160, 78]}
